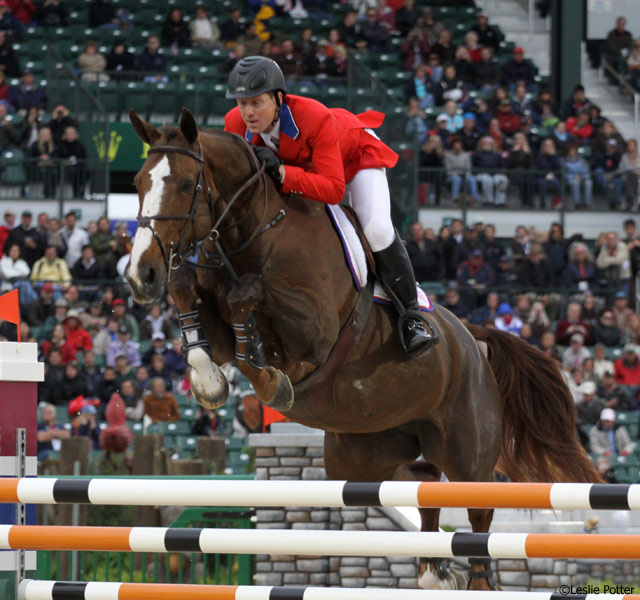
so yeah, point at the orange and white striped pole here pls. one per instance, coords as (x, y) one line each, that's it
(64, 590)
(172, 492)
(320, 543)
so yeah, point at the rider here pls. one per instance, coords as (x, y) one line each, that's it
(317, 152)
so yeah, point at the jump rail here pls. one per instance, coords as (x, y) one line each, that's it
(320, 543)
(64, 590)
(145, 492)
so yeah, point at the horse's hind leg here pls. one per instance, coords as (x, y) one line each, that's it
(382, 456)
(481, 577)
(433, 573)
(468, 451)
(461, 465)
(368, 456)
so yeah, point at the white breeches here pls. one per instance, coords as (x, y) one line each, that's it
(369, 197)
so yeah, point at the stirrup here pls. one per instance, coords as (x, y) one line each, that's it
(417, 315)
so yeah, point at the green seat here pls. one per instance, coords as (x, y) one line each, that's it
(187, 443)
(628, 418)
(631, 421)
(143, 346)
(195, 98)
(170, 442)
(55, 36)
(387, 60)
(235, 444)
(155, 428)
(36, 67)
(62, 416)
(167, 99)
(15, 119)
(334, 97)
(613, 353)
(109, 95)
(179, 428)
(434, 289)
(30, 48)
(14, 173)
(35, 33)
(187, 413)
(197, 72)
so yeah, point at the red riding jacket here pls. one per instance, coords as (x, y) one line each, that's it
(321, 148)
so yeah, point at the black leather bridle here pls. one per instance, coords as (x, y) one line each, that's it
(220, 258)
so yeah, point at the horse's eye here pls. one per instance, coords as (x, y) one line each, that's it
(185, 187)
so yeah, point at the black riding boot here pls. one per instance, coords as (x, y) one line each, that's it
(396, 274)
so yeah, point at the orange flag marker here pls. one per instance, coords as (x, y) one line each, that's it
(10, 309)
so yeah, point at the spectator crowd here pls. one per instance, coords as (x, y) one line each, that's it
(484, 124)
(565, 296)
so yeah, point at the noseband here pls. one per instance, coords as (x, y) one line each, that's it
(220, 258)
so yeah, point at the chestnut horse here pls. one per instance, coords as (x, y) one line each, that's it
(262, 279)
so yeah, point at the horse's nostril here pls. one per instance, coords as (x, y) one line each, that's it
(151, 276)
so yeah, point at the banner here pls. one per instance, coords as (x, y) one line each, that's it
(120, 145)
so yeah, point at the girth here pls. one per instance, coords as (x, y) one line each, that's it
(316, 389)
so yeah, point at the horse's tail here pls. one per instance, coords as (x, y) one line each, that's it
(539, 437)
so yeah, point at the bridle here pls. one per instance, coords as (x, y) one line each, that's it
(220, 258)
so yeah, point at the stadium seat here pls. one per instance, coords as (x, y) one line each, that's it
(167, 99)
(179, 428)
(188, 444)
(108, 93)
(14, 173)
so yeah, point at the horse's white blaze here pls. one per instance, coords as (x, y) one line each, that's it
(150, 206)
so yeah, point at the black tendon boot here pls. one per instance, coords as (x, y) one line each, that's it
(396, 274)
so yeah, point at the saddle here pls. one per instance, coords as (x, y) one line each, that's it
(359, 256)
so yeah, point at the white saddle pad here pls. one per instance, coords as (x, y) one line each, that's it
(357, 261)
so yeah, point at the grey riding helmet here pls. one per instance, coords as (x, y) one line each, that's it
(255, 75)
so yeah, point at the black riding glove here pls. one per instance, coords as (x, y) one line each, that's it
(271, 162)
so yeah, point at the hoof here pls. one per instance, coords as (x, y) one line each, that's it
(282, 399)
(431, 577)
(208, 383)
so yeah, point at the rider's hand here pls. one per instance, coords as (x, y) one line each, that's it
(271, 162)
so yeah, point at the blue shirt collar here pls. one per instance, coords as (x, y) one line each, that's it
(287, 125)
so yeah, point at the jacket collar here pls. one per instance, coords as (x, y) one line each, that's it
(287, 125)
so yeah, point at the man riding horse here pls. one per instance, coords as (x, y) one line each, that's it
(317, 152)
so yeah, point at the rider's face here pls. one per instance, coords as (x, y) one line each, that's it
(258, 112)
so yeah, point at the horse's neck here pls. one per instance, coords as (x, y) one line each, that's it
(255, 210)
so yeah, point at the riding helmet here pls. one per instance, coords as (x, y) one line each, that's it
(255, 75)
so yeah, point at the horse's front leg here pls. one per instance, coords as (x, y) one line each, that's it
(271, 385)
(208, 383)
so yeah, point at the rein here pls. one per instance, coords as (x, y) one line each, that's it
(220, 257)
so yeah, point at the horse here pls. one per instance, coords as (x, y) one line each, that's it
(261, 278)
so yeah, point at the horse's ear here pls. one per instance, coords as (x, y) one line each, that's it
(146, 132)
(188, 126)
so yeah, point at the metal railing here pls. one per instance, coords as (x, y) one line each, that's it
(624, 84)
(527, 189)
(52, 178)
